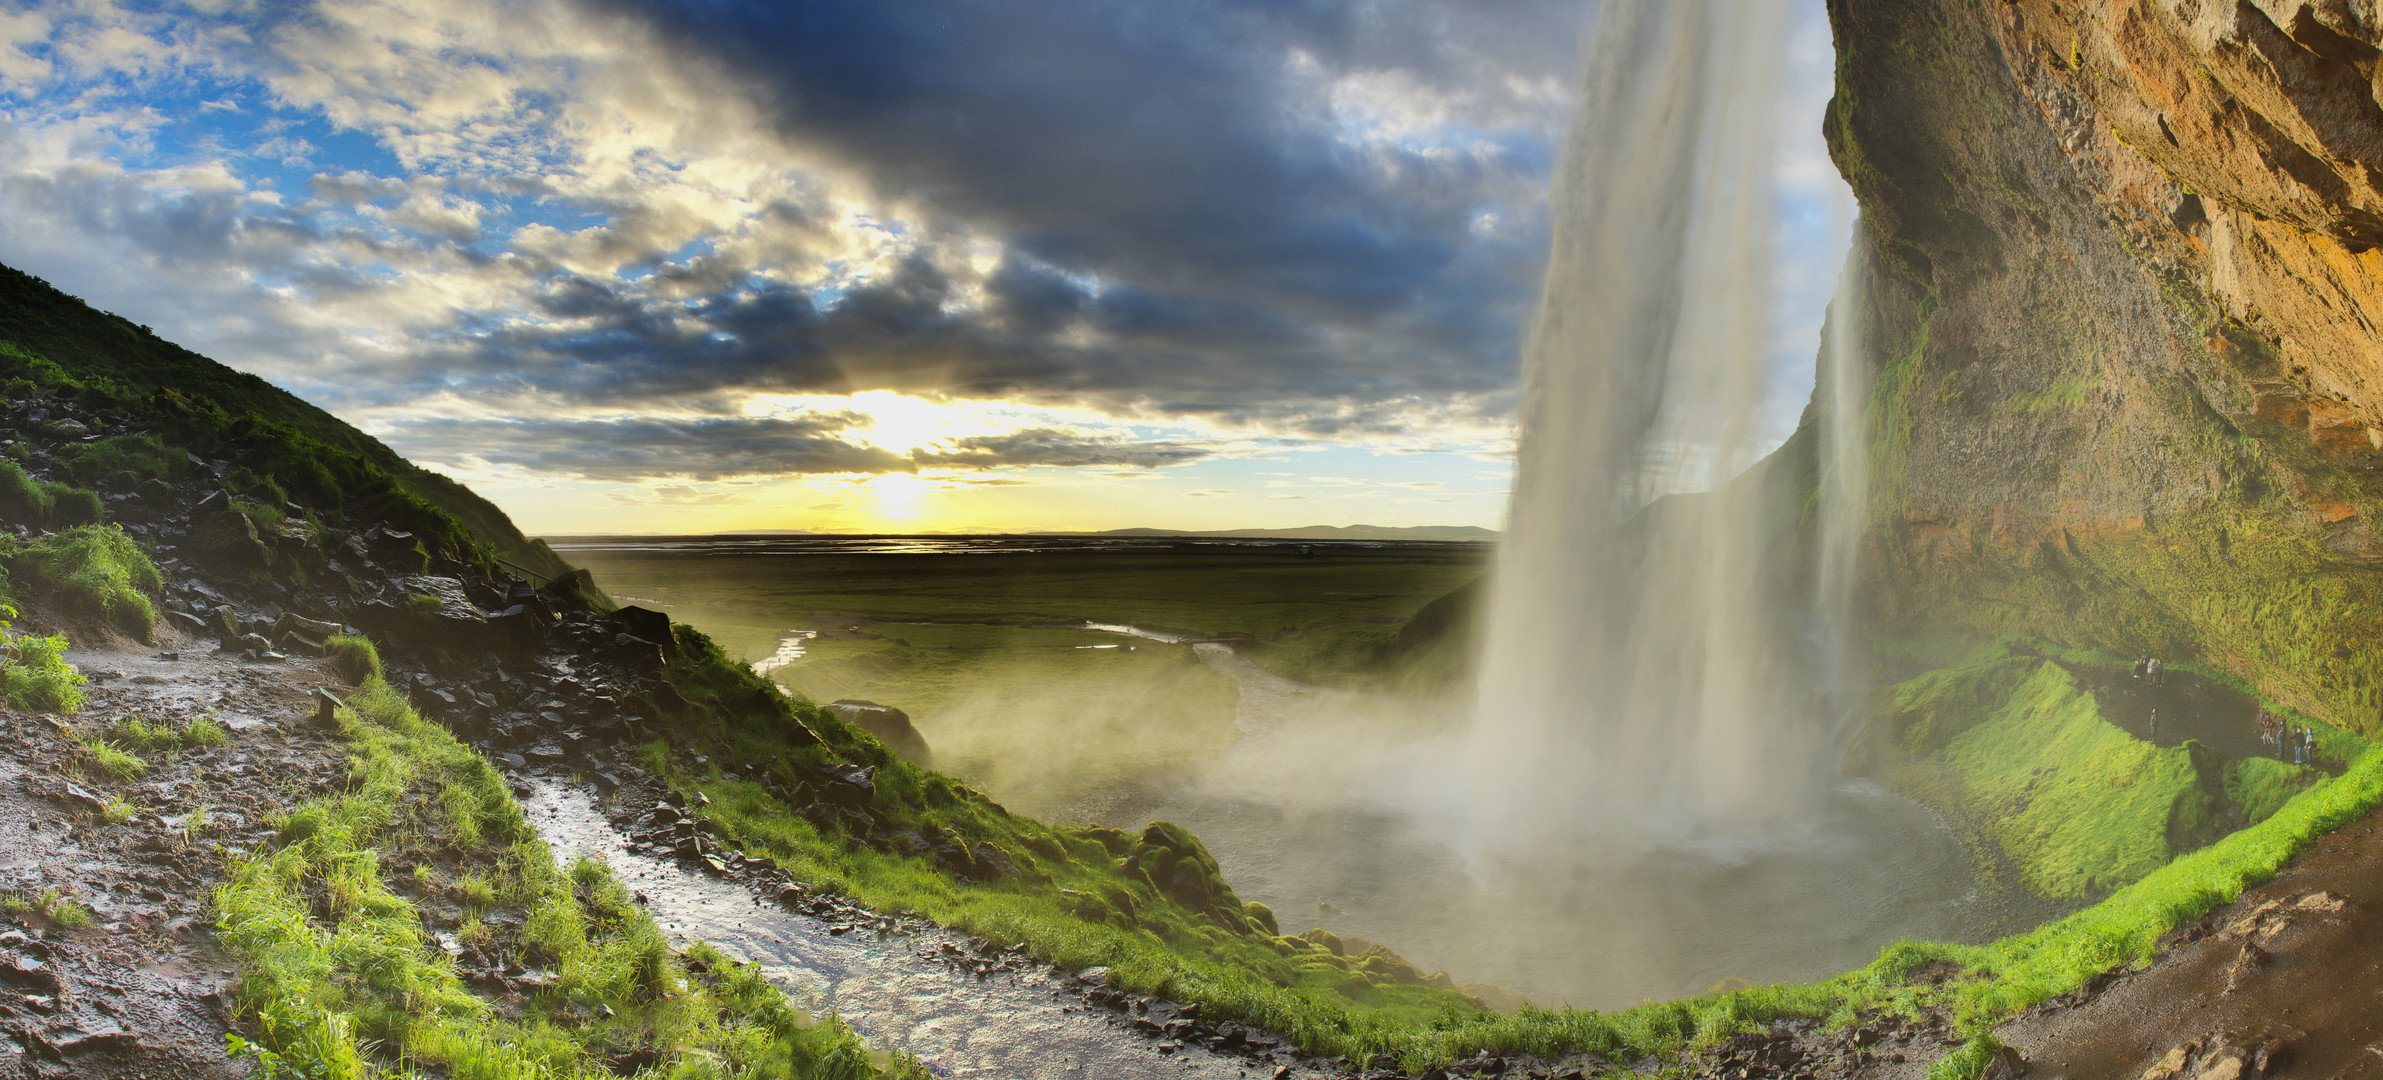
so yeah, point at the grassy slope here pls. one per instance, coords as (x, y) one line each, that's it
(2021, 758)
(116, 358)
(341, 976)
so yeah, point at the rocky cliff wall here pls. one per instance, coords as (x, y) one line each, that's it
(2127, 392)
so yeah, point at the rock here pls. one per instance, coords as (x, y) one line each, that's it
(848, 785)
(993, 860)
(325, 703)
(887, 725)
(313, 628)
(2005, 1065)
(2169, 1064)
(2227, 1064)
(228, 539)
(647, 625)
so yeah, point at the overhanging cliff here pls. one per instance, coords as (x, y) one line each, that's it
(2126, 396)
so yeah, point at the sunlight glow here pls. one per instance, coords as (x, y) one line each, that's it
(902, 424)
(898, 495)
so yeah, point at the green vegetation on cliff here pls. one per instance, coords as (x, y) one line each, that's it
(2023, 759)
(53, 346)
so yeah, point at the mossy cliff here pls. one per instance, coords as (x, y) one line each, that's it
(2093, 419)
(2035, 768)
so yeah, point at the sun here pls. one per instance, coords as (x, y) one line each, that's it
(900, 423)
(898, 496)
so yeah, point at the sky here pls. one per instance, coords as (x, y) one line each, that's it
(938, 265)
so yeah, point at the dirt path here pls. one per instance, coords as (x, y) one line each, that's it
(108, 969)
(2283, 983)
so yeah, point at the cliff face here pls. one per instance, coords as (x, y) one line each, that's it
(2128, 394)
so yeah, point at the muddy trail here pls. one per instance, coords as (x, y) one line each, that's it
(108, 966)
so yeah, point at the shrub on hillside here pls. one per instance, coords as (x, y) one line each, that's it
(95, 571)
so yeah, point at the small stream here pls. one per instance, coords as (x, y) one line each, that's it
(886, 987)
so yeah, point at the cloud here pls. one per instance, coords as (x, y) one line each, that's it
(576, 237)
(1045, 446)
(1208, 493)
(636, 449)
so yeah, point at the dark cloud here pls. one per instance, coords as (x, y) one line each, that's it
(1170, 183)
(716, 448)
(1042, 446)
(643, 448)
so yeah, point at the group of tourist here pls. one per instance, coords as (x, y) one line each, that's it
(2302, 743)
(2299, 747)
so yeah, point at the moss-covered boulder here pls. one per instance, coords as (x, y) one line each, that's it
(229, 539)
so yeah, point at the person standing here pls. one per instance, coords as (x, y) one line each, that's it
(2151, 667)
(2155, 724)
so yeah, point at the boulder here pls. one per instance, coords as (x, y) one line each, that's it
(647, 625)
(228, 540)
(848, 785)
(887, 725)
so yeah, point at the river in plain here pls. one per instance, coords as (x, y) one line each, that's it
(888, 987)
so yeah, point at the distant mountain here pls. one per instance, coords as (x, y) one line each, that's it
(1326, 532)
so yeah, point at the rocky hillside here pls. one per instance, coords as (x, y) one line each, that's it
(2126, 393)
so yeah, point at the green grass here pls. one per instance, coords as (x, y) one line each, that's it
(34, 673)
(54, 346)
(2263, 785)
(93, 571)
(2020, 758)
(2080, 806)
(353, 657)
(102, 759)
(340, 979)
(123, 460)
(45, 503)
(51, 906)
(143, 737)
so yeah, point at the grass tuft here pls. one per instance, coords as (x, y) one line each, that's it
(34, 674)
(353, 657)
(95, 571)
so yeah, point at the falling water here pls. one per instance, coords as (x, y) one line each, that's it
(1843, 392)
(1639, 678)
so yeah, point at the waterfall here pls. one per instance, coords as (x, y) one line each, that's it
(1842, 392)
(1640, 675)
